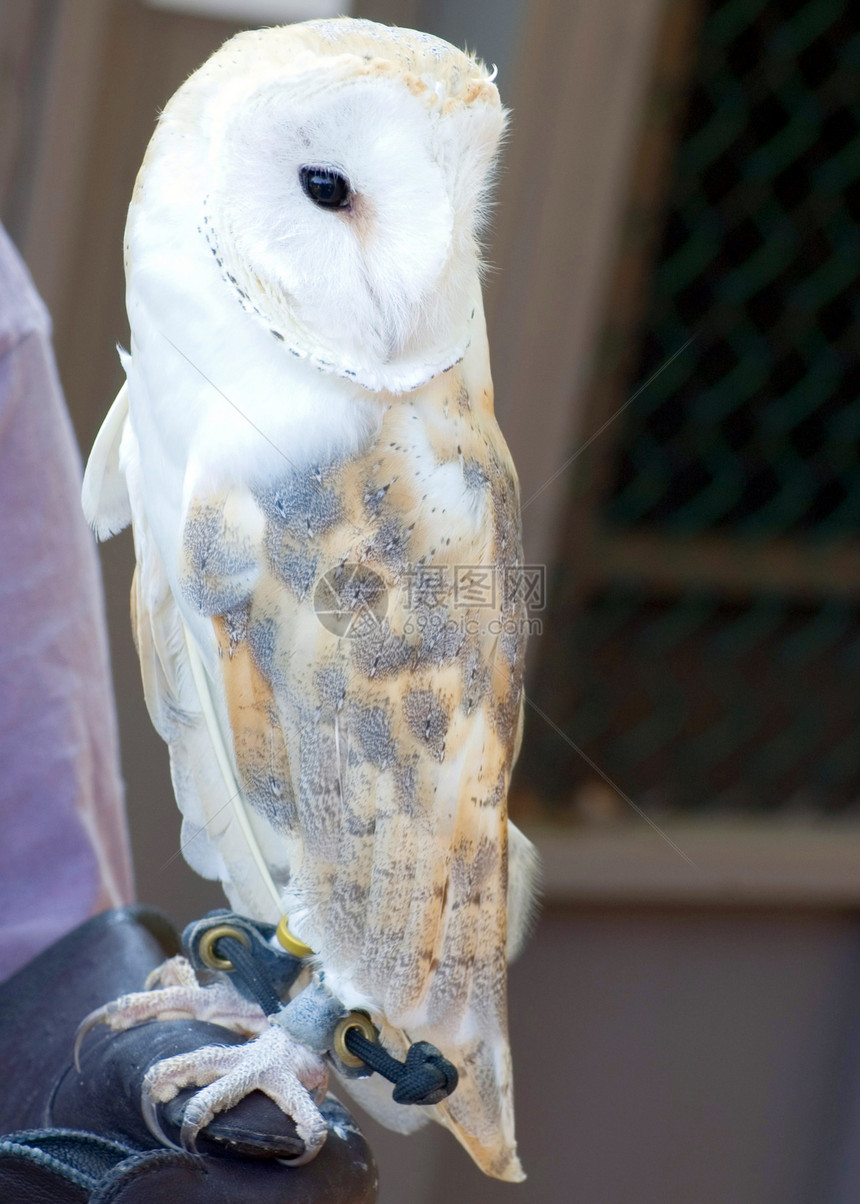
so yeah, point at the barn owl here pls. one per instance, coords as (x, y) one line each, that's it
(306, 435)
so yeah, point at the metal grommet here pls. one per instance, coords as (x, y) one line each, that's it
(291, 943)
(365, 1027)
(206, 948)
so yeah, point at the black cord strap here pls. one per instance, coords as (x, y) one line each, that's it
(232, 944)
(426, 1077)
(240, 947)
(253, 976)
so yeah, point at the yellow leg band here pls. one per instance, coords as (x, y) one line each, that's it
(291, 943)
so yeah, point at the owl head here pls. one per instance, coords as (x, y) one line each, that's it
(336, 174)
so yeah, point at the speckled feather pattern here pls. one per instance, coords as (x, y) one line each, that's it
(387, 754)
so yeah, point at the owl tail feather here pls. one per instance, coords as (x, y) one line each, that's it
(104, 495)
(479, 1113)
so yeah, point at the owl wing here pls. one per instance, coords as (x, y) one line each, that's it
(215, 839)
(367, 770)
(377, 759)
(162, 644)
(389, 803)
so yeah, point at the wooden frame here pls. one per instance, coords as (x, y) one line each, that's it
(639, 226)
(740, 863)
(734, 566)
(583, 73)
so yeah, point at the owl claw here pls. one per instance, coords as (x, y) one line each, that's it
(273, 1063)
(89, 1022)
(177, 997)
(149, 1112)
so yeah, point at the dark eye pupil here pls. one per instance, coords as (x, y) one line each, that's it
(324, 187)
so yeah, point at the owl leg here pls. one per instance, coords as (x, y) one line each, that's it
(275, 1063)
(173, 993)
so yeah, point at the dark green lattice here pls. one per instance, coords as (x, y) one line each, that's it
(689, 698)
(756, 427)
(697, 703)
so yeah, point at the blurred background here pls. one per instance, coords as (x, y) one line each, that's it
(673, 314)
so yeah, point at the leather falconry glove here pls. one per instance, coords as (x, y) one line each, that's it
(80, 1138)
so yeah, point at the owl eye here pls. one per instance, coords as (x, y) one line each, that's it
(325, 188)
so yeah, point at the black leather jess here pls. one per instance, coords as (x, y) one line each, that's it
(68, 1139)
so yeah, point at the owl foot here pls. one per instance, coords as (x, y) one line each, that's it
(178, 996)
(274, 1063)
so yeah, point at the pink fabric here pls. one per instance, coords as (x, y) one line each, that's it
(63, 839)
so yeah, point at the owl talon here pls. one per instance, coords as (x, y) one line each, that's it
(152, 1120)
(179, 997)
(274, 1063)
(89, 1022)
